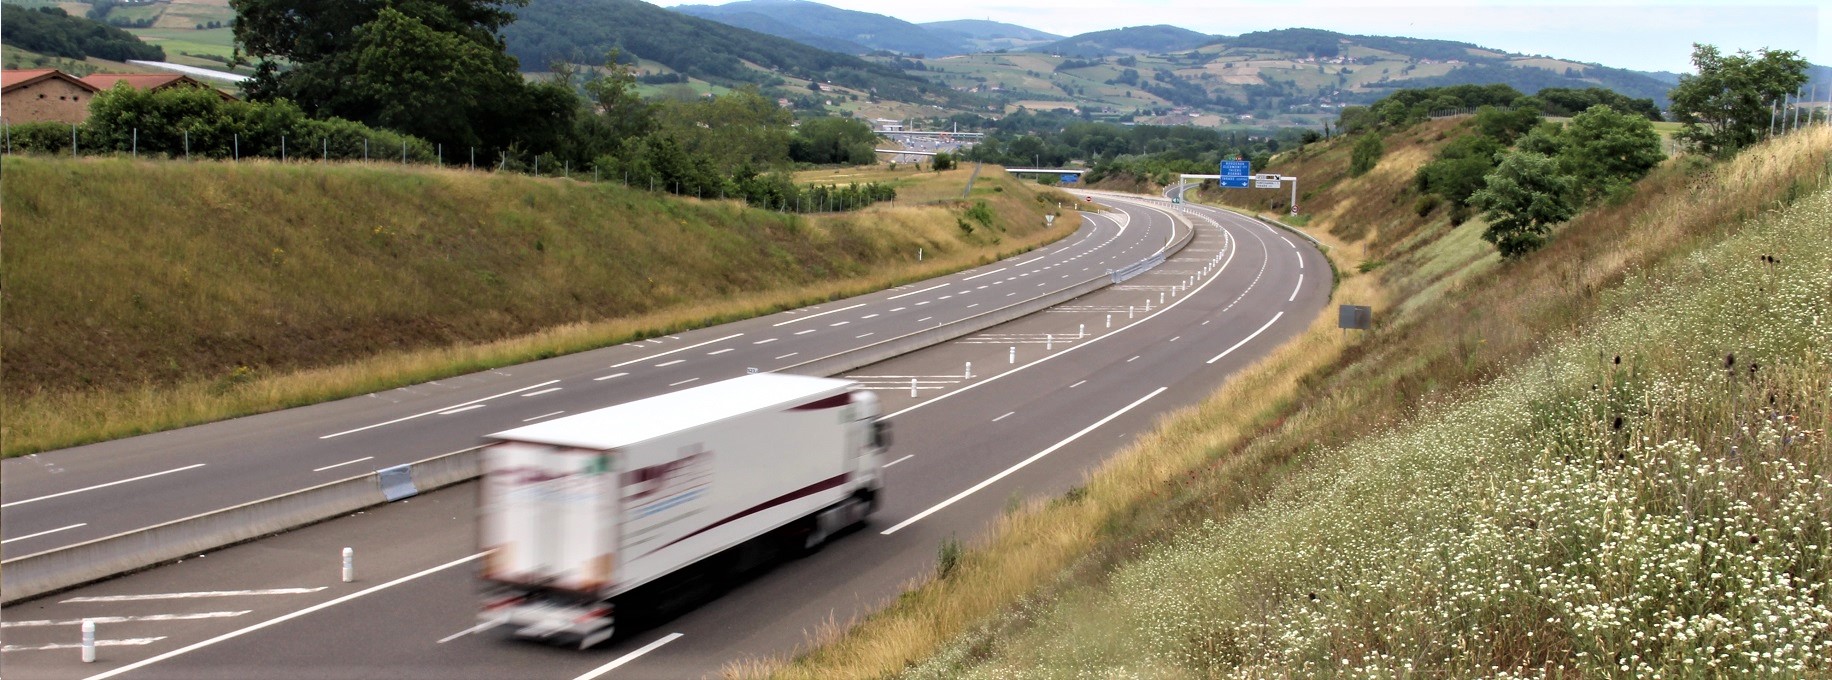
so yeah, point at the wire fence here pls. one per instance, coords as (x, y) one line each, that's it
(775, 193)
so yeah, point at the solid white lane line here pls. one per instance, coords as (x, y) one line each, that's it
(764, 341)
(1007, 415)
(975, 276)
(1077, 384)
(280, 619)
(899, 460)
(461, 409)
(347, 462)
(608, 377)
(1020, 264)
(1176, 338)
(544, 415)
(1245, 340)
(632, 656)
(42, 533)
(867, 335)
(913, 292)
(785, 356)
(811, 330)
(75, 645)
(810, 316)
(1021, 464)
(1288, 242)
(1295, 289)
(971, 306)
(659, 355)
(719, 351)
(124, 619)
(666, 364)
(1300, 259)
(189, 596)
(441, 409)
(541, 392)
(1134, 358)
(683, 382)
(100, 486)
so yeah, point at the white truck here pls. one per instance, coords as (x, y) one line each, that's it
(577, 514)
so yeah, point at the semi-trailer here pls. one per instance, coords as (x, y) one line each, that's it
(579, 514)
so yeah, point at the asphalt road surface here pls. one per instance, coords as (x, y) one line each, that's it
(1049, 396)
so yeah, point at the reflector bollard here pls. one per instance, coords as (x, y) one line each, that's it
(88, 641)
(912, 387)
(349, 565)
(1014, 355)
(969, 374)
(1049, 342)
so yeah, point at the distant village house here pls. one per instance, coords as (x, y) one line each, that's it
(40, 95)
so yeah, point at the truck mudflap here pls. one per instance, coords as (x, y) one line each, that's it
(552, 621)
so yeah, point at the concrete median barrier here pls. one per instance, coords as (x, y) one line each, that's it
(29, 576)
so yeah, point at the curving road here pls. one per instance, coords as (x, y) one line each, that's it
(57, 498)
(1050, 395)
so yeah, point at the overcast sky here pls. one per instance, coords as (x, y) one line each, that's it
(1648, 36)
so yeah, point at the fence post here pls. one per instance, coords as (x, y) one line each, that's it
(73, 140)
(365, 149)
(403, 152)
(136, 151)
(441, 154)
(326, 148)
(473, 164)
(282, 148)
(237, 137)
(187, 145)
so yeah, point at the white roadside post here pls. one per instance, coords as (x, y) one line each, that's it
(969, 374)
(1014, 355)
(1049, 342)
(88, 641)
(912, 387)
(1081, 331)
(1109, 320)
(349, 565)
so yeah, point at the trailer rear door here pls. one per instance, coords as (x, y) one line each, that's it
(549, 516)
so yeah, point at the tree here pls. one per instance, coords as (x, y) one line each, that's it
(432, 68)
(833, 140)
(942, 161)
(1523, 198)
(1727, 105)
(1604, 149)
(1365, 155)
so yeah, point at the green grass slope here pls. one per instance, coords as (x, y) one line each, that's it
(1634, 483)
(132, 284)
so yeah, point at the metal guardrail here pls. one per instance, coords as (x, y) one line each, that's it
(30, 576)
(1135, 269)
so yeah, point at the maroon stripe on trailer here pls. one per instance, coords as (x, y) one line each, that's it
(834, 401)
(803, 492)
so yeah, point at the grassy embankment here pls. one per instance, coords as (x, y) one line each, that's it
(146, 295)
(1477, 488)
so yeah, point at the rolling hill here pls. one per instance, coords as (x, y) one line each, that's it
(1130, 40)
(988, 36)
(582, 31)
(831, 28)
(1292, 76)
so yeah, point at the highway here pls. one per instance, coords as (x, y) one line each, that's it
(58, 498)
(1049, 395)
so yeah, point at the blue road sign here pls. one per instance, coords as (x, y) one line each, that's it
(1070, 178)
(1232, 182)
(1236, 169)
